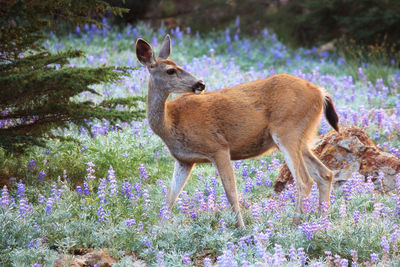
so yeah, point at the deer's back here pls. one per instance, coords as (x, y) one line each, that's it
(242, 117)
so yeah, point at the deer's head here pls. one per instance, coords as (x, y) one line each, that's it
(165, 73)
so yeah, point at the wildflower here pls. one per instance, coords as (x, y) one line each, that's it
(255, 212)
(245, 171)
(20, 190)
(86, 190)
(356, 216)
(32, 165)
(307, 230)
(186, 259)
(140, 227)
(130, 222)
(374, 258)
(302, 256)
(292, 253)
(41, 176)
(49, 205)
(207, 262)
(223, 224)
(5, 199)
(41, 199)
(354, 257)
(307, 204)
(90, 170)
(385, 246)
(23, 207)
(160, 259)
(113, 182)
(101, 214)
(138, 188)
(248, 185)
(126, 189)
(143, 172)
(342, 210)
(79, 190)
(259, 177)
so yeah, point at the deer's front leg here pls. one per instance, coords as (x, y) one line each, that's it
(222, 162)
(182, 172)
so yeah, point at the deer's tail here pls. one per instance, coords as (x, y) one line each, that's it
(330, 113)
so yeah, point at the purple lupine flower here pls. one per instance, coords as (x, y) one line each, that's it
(86, 190)
(245, 171)
(356, 216)
(140, 227)
(237, 164)
(302, 256)
(90, 170)
(23, 207)
(101, 190)
(307, 230)
(49, 205)
(186, 259)
(343, 263)
(223, 224)
(32, 165)
(129, 223)
(113, 182)
(374, 258)
(259, 177)
(36, 265)
(325, 223)
(260, 249)
(248, 185)
(267, 182)
(343, 210)
(143, 172)
(306, 204)
(211, 202)
(79, 190)
(354, 257)
(20, 190)
(101, 214)
(160, 259)
(207, 262)
(126, 189)
(385, 245)
(41, 199)
(164, 213)
(5, 199)
(41, 176)
(255, 212)
(292, 253)
(138, 189)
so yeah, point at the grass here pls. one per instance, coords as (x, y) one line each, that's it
(121, 209)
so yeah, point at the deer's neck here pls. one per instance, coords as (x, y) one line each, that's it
(156, 109)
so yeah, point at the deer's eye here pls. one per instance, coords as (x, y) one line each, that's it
(171, 71)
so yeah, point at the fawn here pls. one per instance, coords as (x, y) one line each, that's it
(235, 123)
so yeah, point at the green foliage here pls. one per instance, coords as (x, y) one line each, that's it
(313, 22)
(40, 90)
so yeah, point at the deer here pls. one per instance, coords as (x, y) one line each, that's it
(235, 123)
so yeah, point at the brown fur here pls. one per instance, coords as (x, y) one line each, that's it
(235, 123)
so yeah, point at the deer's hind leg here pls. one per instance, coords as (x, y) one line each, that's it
(292, 153)
(322, 175)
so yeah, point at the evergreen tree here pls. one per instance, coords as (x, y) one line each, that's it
(38, 89)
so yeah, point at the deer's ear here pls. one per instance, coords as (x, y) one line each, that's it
(144, 52)
(165, 48)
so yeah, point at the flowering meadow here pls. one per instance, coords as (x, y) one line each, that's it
(108, 192)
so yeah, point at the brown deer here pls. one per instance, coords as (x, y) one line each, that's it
(235, 123)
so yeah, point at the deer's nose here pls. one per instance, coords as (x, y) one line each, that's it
(200, 85)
